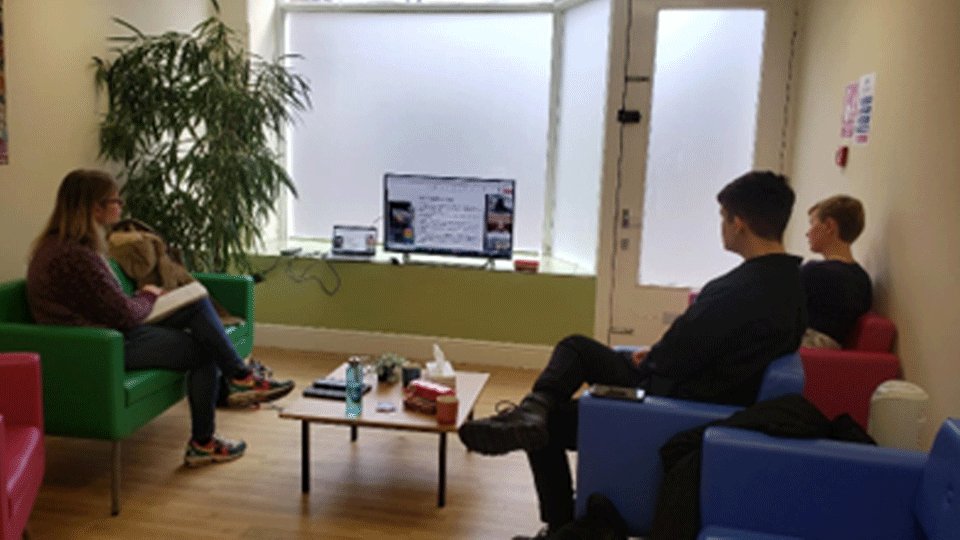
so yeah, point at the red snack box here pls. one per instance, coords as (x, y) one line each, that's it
(427, 390)
(419, 404)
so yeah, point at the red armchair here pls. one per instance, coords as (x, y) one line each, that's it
(842, 381)
(21, 440)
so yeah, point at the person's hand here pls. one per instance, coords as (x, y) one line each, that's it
(636, 358)
(152, 289)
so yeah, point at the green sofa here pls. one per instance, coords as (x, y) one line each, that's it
(87, 392)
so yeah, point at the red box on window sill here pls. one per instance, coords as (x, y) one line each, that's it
(526, 265)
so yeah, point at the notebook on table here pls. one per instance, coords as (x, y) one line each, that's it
(330, 389)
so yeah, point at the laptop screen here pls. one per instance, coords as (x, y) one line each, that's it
(354, 241)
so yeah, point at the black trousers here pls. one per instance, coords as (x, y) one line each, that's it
(575, 360)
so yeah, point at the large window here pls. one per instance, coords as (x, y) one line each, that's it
(493, 89)
(449, 94)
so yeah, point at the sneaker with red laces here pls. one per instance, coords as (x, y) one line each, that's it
(217, 450)
(253, 389)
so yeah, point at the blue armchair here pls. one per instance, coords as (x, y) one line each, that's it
(762, 487)
(619, 441)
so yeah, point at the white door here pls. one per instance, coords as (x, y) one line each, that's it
(700, 98)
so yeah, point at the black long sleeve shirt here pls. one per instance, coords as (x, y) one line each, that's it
(838, 293)
(718, 349)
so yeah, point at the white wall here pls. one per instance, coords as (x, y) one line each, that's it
(52, 107)
(908, 177)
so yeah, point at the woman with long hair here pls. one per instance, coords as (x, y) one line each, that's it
(69, 282)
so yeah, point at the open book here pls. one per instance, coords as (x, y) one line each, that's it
(175, 299)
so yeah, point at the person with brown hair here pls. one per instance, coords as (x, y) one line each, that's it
(838, 288)
(69, 282)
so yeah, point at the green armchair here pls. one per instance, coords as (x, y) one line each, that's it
(87, 392)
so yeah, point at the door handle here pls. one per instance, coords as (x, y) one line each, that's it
(621, 330)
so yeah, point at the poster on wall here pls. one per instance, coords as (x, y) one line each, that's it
(3, 97)
(861, 132)
(850, 108)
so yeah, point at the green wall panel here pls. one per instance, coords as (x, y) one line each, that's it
(426, 300)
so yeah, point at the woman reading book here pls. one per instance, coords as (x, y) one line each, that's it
(69, 282)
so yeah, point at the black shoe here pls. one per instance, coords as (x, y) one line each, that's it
(601, 522)
(542, 534)
(514, 427)
(603, 515)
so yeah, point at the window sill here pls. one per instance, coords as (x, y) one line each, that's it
(319, 249)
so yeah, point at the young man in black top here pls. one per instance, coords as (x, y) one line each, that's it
(716, 351)
(838, 289)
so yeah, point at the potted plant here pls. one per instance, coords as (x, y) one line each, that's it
(193, 119)
(386, 366)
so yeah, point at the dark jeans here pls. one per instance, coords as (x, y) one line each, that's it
(191, 340)
(575, 360)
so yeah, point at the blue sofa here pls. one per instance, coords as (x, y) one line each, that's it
(762, 487)
(619, 441)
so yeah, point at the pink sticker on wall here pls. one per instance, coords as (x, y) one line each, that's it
(850, 107)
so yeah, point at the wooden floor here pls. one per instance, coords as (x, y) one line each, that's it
(382, 486)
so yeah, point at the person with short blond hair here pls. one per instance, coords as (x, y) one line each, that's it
(838, 289)
(845, 211)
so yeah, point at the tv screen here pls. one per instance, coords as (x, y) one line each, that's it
(448, 215)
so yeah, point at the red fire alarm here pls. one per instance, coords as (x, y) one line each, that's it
(840, 158)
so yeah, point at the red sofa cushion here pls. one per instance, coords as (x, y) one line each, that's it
(23, 468)
(843, 381)
(873, 332)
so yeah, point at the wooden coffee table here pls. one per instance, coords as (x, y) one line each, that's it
(329, 411)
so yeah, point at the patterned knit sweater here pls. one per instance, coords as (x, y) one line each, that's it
(71, 284)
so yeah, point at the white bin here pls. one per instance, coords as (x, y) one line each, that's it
(898, 412)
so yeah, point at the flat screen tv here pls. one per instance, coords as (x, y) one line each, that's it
(448, 215)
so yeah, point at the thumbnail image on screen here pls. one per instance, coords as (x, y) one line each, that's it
(401, 222)
(498, 235)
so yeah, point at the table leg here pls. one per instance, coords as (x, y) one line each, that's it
(305, 456)
(442, 482)
(353, 433)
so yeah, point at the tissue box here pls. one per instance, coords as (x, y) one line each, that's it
(442, 374)
(450, 381)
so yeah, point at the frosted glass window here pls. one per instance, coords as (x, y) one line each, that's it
(449, 94)
(580, 131)
(702, 132)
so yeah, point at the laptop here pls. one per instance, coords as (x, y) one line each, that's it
(351, 242)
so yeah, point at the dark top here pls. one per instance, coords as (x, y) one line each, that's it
(71, 284)
(838, 293)
(718, 349)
